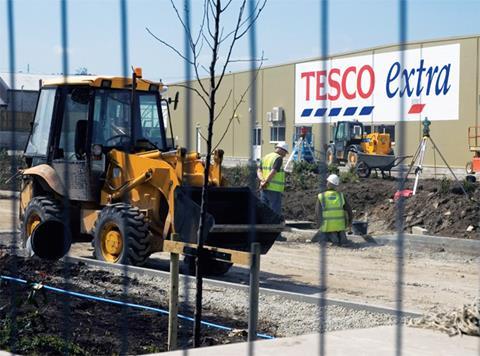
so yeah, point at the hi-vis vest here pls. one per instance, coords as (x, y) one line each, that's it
(277, 184)
(333, 215)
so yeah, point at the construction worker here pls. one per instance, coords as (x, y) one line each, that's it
(272, 177)
(333, 213)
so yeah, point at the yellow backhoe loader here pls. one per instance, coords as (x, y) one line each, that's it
(100, 164)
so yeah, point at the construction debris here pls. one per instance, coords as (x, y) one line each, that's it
(463, 321)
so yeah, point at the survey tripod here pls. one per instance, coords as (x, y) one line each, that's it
(302, 151)
(419, 156)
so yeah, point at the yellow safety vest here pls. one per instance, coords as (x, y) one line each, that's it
(277, 184)
(333, 214)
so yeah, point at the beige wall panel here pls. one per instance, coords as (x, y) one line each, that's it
(242, 102)
(278, 90)
(451, 136)
(199, 115)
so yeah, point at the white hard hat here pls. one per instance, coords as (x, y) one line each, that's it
(333, 179)
(282, 145)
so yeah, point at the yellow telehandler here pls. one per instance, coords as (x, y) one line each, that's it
(99, 164)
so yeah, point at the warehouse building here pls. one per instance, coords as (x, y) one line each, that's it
(436, 79)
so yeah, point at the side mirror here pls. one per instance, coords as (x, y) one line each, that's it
(80, 138)
(174, 101)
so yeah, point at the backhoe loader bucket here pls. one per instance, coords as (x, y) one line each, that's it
(229, 217)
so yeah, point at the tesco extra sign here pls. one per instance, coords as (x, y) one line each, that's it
(372, 87)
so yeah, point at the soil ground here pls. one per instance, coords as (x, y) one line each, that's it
(44, 318)
(439, 205)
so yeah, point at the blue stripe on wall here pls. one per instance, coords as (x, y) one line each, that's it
(334, 111)
(350, 111)
(366, 110)
(320, 112)
(307, 112)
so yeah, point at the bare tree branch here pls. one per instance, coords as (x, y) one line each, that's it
(210, 8)
(247, 20)
(200, 32)
(194, 90)
(237, 106)
(201, 135)
(208, 42)
(226, 6)
(193, 63)
(255, 17)
(230, 50)
(187, 30)
(192, 45)
(169, 46)
(205, 69)
(224, 105)
(249, 60)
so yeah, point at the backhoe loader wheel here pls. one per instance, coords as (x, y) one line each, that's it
(352, 159)
(39, 209)
(121, 235)
(330, 156)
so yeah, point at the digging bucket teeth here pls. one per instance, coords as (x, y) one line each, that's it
(229, 218)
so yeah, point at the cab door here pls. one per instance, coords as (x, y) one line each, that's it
(341, 137)
(71, 141)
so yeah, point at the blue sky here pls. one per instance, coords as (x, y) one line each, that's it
(288, 30)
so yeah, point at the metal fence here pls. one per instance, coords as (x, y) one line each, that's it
(128, 307)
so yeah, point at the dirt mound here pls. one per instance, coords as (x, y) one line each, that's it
(439, 205)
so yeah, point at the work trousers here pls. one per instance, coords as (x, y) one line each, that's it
(272, 199)
(335, 237)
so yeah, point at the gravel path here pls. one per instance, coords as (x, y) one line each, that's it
(278, 316)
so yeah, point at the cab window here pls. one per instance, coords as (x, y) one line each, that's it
(149, 119)
(356, 132)
(38, 141)
(75, 113)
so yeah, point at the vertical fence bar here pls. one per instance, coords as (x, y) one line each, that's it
(125, 71)
(402, 23)
(324, 8)
(187, 112)
(66, 174)
(14, 240)
(173, 300)
(253, 293)
(188, 77)
(252, 176)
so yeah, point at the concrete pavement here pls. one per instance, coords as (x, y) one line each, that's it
(377, 341)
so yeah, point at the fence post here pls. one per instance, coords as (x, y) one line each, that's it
(173, 300)
(253, 291)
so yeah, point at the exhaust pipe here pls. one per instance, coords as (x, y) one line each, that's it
(48, 240)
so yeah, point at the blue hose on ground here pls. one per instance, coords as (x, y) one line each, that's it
(132, 305)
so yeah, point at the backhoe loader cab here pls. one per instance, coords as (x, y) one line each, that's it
(349, 140)
(347, 137)
(99, 163)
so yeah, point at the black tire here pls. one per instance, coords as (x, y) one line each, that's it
(363, 170)
(330, 157)
(211, 267)
(39, 210)
(128, 224)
